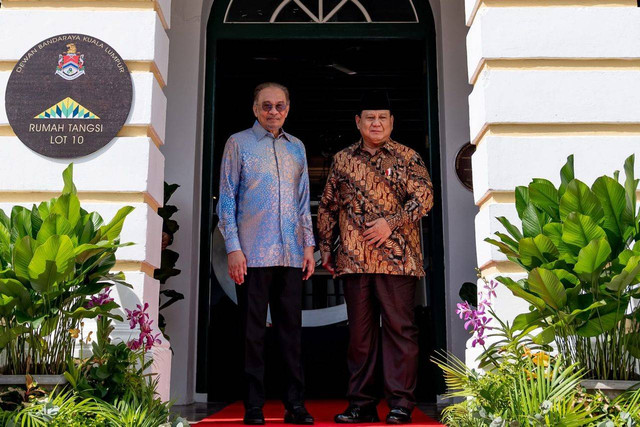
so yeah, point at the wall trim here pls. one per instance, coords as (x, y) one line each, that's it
(556, 129)
(128, 266)
(126, 131)
(569, 64)
(493, 197)
(494, 268)
(84, 196)
(547, 3)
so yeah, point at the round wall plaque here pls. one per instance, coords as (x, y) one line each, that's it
(463, 165)
(68, 96)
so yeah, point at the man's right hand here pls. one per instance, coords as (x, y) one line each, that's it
(237, 264)
(327, 263)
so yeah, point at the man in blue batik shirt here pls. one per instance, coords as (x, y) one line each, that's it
(265, 220)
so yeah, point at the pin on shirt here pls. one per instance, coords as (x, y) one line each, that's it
(387, 172)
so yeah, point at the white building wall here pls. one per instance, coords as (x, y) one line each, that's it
(551, 78)
(130, 169)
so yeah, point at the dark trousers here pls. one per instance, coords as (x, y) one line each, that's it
(369, 296)
(281, 287)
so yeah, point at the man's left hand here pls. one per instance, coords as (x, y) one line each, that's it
(308, 262)
(378, 232)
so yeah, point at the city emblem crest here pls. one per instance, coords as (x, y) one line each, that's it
(70, 64)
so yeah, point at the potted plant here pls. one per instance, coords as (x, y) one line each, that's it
(54, 258)
(579, 246)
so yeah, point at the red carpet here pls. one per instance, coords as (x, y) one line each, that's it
(322, 410)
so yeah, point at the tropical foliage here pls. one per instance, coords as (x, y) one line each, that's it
(169, 258)
(580, 248)
(53, 258)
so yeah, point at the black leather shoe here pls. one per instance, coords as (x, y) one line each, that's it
(399, 415)
(253, 416)
(358, 414)
(298, 415)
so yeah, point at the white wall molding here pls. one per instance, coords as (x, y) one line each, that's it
(553, 33)
(501, 163)
(554, 96)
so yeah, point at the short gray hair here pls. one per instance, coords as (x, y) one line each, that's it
(263, 86)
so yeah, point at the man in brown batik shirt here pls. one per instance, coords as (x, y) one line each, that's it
(375, 195)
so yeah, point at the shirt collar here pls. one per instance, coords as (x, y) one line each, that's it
(386, 146)
(261, 132)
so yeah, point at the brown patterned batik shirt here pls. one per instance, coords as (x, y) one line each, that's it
(393, 184)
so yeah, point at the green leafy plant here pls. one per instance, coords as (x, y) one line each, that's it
(579, 246)
(519, 388)
(53, 257)
(58, 410)
(168, 258)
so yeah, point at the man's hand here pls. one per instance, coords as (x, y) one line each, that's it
(237, 264)
(327, 262)
(378, 232)
(308, 262)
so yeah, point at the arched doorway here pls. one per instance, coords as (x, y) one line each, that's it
(327, 52)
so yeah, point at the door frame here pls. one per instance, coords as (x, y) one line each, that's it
(218, 30)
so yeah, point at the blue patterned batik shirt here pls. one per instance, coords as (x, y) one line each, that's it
(264, 198)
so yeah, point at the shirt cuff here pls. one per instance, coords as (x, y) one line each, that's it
(309, 241)
(232, 244)
(394, 221)
(325, 247)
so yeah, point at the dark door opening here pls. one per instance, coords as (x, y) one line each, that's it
(326, 79)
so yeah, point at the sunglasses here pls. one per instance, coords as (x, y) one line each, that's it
(280, 106)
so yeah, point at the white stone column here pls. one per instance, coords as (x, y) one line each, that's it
(551, 78)
(129, 170)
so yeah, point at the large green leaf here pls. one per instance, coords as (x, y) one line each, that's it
(68, 206)
(20, 223)
(566, 175)
(567, 279)
(532, 221)
(511, 229)
(568, 253)
(579, 230)
(44, 208)
(86, 251)
(5, 220)
(629, 276)
(522, 199)
(5, 245)
(111, 231)
(592, 259)
(54, 225)
(22, 255)
(524, 320)
(630, 187)
(9, 335)
(545, 337)
(544, 195)
(579, 198)
(537, 251)
(613, 201)
(518, 290)
(547, 285)
(36, 221)
(15, 289)
(67, 177)
(49, 325)
(504, 248)
(602, 320)
(52, 261)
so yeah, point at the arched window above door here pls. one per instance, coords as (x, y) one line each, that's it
(320, 11)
